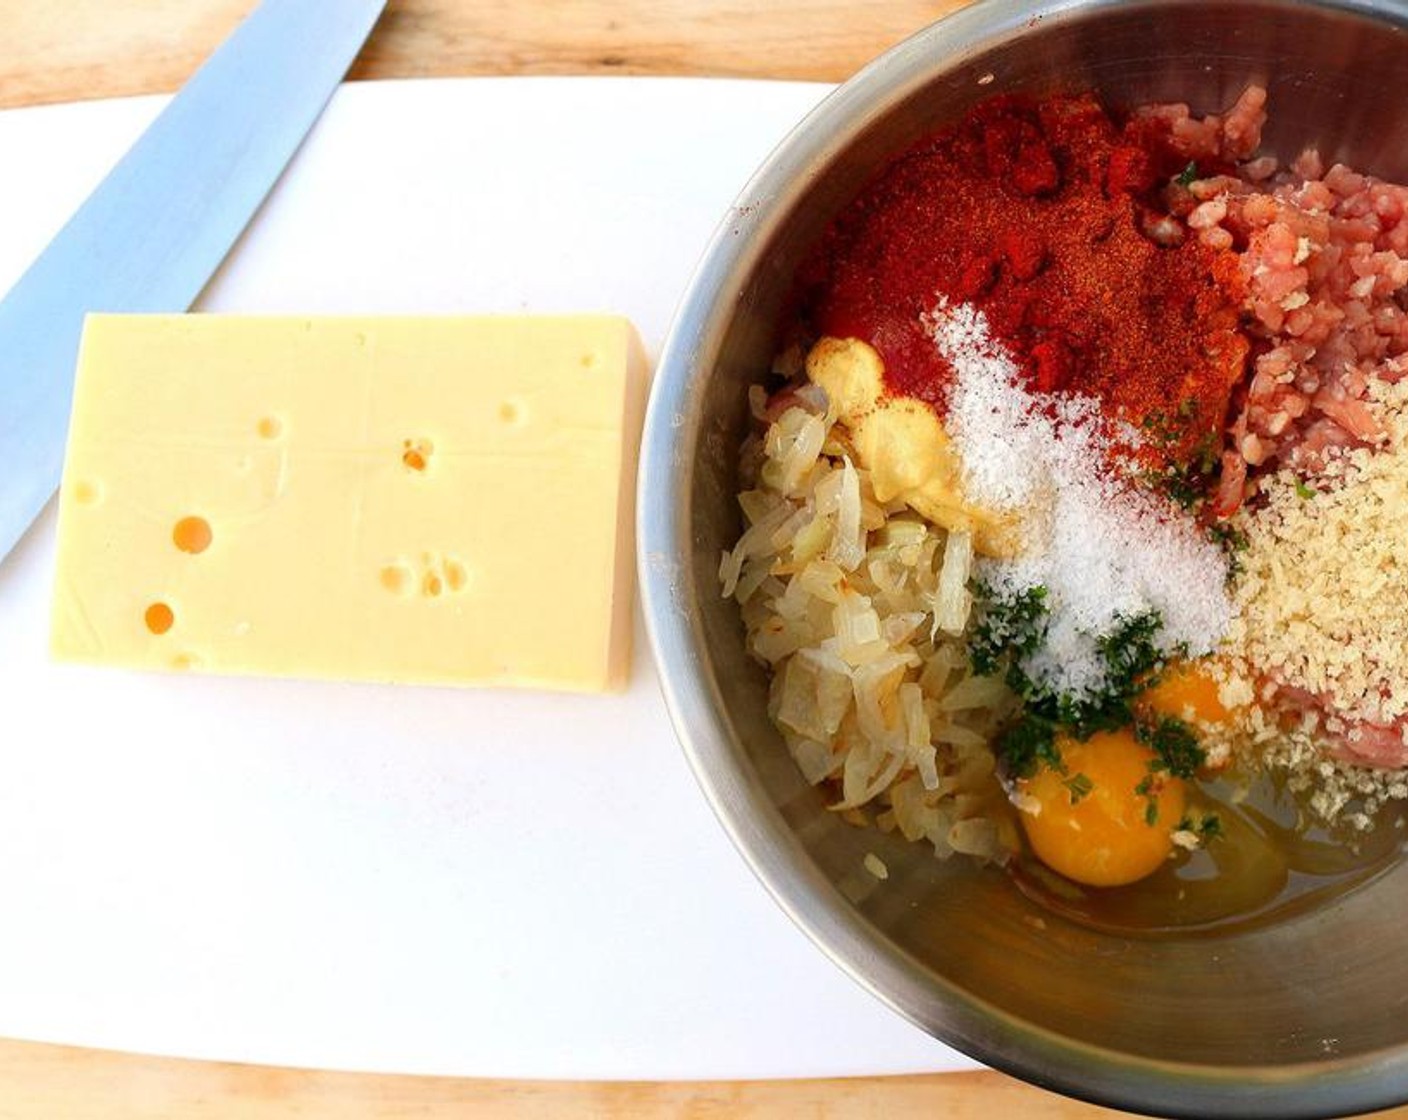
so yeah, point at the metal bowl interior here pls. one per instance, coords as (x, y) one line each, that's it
(1307, 1015)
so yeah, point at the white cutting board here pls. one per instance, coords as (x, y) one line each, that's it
(406, 879)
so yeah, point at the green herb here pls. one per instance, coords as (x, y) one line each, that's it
(1176, 752)
(1185, 483)
(1157, 423)
(1029, 744)
(1130, 655)
(1147, 790)
(1232, 541)
(1188, 174)
(1165, 428)
(1079, 785)
(1179, 487)
(1205, 826)
(1205, 457)
(1230, 538)
(1303, 491)
(1175, 746)
(1008, 631)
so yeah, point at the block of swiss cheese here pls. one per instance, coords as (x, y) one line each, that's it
(443, 500)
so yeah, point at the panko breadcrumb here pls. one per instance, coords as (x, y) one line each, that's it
(1319, 622)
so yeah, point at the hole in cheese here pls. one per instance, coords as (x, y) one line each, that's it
(159, 618)
(270, 427)
(456, 574)
(396, 578)
(510, 412)
(415, 453)
(432, 585)
(590, 360)
(192, 534)
(87, 493)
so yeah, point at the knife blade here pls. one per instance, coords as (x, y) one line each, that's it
(157, 227)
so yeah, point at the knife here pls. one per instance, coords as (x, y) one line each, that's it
(156, 229)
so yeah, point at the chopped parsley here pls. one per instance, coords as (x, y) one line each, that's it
(1303, 491)
(1232, 541)
(1230, 538)
(1079, 786)
(1188, 175)
(1176, 753)
(1179, 487)
(1175, 747)
(1187, 480)
(1130, 655)
(1029, 743)
(1205, 826)
(1186, 472)
(1148, 788)
(1157, 423)
(1008, 630)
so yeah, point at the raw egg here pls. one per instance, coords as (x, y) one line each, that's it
(1186, 691)
(1108, 819)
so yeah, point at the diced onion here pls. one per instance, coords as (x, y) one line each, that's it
(952, 600)
(848, 545)
(860, 610)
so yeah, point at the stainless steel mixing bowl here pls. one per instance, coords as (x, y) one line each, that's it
(1305, 1016)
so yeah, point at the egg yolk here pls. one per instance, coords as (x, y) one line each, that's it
(1186, 691)
(1092, 823)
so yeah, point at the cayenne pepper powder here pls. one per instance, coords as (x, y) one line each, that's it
(1047, 217)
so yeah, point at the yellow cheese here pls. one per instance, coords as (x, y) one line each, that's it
(432, 500)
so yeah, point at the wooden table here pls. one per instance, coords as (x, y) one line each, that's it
(81, 49)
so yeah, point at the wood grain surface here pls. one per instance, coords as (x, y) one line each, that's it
(76, 1084)
(79, 49)
(82, 49)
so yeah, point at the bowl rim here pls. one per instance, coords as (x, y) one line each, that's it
(701, 723)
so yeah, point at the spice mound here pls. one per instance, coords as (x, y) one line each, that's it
(1044, 216)
(1074, 502)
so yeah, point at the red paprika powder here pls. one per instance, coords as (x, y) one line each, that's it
(1048, 217)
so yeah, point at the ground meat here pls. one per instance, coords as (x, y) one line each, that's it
(1217, 137)
(1362, 742)
(1324, 253)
